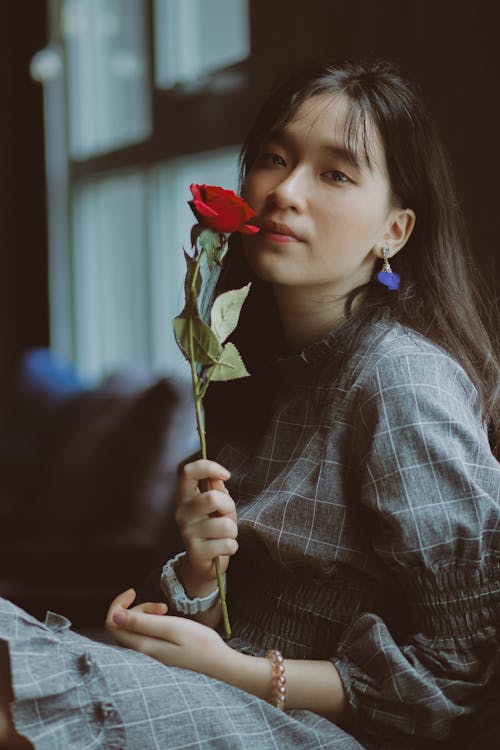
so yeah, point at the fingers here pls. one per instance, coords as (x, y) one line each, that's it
(205, 504)
(206, 518)
(218, 484)
(146, 624)
(208, 538)
(201, 548)
(194, 472)
(218, 527)
(151, 608)
(141, 643)
(122, 601)
(177, 641)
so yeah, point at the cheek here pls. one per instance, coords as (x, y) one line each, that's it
(364, 215)
(256, 188)
(248, 189)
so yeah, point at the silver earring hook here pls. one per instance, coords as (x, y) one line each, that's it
(387, 266)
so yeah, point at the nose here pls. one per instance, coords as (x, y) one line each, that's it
(290, 192)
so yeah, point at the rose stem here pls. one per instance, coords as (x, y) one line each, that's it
(203, 445)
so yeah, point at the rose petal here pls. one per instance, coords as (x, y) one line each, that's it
(195, 191)
(221, 210)
(203, 209)
(249, 229)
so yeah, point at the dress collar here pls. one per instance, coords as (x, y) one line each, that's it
(338, 341)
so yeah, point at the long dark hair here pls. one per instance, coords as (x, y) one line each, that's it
(439, 294)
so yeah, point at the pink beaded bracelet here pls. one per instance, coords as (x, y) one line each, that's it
(278, 692)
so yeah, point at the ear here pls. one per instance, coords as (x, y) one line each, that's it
(398, 229)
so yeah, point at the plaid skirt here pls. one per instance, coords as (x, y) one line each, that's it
(73, 693)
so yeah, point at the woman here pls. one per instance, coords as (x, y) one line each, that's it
(365, 488)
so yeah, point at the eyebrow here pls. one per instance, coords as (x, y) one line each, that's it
(282, 138)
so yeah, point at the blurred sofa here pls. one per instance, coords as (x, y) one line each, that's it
(87, 481)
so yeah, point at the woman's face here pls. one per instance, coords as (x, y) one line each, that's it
(324, 213)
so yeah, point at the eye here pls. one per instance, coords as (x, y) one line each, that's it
(336, 176)
(271, 159)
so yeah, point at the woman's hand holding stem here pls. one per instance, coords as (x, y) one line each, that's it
(207, 525)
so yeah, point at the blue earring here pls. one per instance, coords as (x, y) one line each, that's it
(386, 276)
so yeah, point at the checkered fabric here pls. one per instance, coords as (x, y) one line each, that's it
(72, 693)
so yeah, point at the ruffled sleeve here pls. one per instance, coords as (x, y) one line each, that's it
(432, 489)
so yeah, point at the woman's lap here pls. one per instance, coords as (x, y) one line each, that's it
(71, 692)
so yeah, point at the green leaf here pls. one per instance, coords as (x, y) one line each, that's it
(226, 311)
(179, 331)
(206, 348)
(191, 300)
(229, 367)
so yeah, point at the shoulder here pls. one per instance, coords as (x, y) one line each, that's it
(397, 359)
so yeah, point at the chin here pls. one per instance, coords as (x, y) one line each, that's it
(267, 264)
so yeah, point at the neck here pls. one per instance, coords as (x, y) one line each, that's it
(306, 318)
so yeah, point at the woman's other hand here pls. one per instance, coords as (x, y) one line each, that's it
(124, 601)
(179, 642)
(175, 641)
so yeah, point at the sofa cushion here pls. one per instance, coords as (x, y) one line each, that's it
(112, 476)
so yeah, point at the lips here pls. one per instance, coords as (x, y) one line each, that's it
(276, 229)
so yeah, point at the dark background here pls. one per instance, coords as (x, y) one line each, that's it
(23, 226)
(450, 46)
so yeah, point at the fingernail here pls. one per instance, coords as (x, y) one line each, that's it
(225, 473)
(119, 617)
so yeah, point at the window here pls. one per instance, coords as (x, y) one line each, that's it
(196, 37)
(109, 97)
(123, 82)
(110, 252)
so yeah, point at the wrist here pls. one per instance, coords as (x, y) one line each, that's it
(178, 599)
(312, 685)
(251, 674)
(194, 584)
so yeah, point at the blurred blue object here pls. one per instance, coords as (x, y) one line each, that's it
(45, 374)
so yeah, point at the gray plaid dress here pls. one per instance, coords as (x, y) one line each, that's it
(369, 518)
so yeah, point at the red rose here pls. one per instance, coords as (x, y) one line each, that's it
(221, 210)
